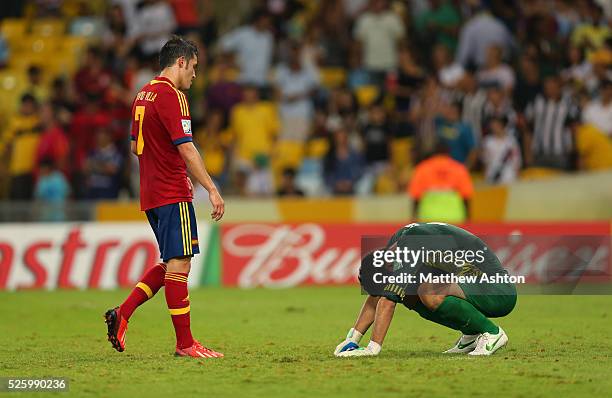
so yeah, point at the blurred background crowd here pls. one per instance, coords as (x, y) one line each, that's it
(307, 97)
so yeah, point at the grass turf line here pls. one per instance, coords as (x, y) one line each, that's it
(279, 343)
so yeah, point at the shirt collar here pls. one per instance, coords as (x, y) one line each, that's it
(164, 79)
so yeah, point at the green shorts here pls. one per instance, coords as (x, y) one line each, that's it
(493, 300)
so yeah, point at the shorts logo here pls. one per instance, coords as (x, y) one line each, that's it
(186, 126)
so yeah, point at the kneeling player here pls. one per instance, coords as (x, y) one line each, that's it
(466, 307)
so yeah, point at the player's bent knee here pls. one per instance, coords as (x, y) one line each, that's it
(431, 301)
(179, 264)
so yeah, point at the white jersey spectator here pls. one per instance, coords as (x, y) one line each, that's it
(501, 155)
(379, 31)
(154, 26)
(550, 116)
(295, 83)
(478, 34)
(253, 46)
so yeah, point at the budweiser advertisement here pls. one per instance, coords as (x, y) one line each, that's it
(285, 255)
(86, 255)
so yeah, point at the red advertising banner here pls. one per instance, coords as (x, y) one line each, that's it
(81, 255)
(285, 255)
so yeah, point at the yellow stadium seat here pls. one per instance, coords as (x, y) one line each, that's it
(48, 27)
(63, 65)
(37, 44)
(332, 77)
(74, 46)
(366, 95)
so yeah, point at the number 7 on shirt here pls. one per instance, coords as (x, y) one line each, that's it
(139, 113)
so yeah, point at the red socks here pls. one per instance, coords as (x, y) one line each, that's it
(177, 298)
(144, 290)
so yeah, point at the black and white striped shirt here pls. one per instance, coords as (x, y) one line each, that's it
(550, 121)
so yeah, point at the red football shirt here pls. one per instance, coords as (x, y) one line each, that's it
(160, 122)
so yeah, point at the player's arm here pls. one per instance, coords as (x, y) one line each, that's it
(383, 315)
(173, 111)
(362, 324)
(196, 168)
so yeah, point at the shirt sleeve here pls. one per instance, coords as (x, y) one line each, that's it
(173, 112)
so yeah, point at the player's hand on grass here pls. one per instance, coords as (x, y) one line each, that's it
(350, 342)
(218, 205)
(371, 350)
(345, 346)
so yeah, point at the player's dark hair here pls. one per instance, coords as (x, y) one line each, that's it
(175, 48)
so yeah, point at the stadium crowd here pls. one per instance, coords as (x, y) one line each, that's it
(310, 97)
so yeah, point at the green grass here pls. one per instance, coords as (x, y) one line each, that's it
(280, 343)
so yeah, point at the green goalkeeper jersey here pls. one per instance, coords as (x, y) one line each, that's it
(439, 249)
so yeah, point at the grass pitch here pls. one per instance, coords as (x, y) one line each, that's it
(280, 342)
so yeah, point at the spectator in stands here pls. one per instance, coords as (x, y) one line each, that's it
(601, 61)
(439, 25)
(495, 72)
(93, 78)
(259, 181)
(254, 124)
(473, 99)
(253, 46)
(376, 136)
(20, 141)
(456, 135)
(214, 142)
(155, 23)
(51, 192)
(287, 184)
(53, 144)
(593, 147)
(295, 85)
(578, 68)
(431, 100)
(528, 85)
(593, 30)
(409, 78)
(335, 39)
(35, 84)
(499, 104)
(548, 141)
(187, 15)
(343, 166)
(599, 111)
(379, 32)
(223, 91)
(448, 72)
(441, 188)
(62, 102)
(478, 34)
(501, 153)
(85, 122)
(102, 168)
